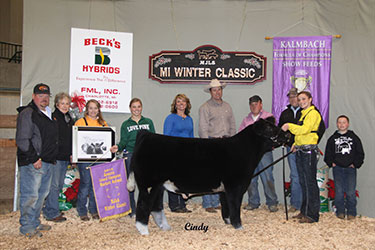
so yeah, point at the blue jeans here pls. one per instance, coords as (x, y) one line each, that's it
(345, 183)
(85, 189)
(34, 188)
(296, 192)
(267, 181)
(210, 200)
(131, 194)
(51, 206)
(306, 165)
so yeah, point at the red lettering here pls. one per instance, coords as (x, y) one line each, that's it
(109, 43)
(91, 90)
(100, 69)
(111, 91)
(103, 42)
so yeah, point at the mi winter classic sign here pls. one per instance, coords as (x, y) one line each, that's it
(205, 63)
(101, 67)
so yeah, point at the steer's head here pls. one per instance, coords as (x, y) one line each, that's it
(267, 129)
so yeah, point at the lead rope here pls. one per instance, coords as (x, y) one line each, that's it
(273, 163)
(88, 167)
(284, 189)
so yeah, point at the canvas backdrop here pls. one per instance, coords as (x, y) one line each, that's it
(230, 25)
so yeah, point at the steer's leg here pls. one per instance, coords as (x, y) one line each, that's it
(224, 208)
(157, 210)
(234, 199)
(131, 182)
(143, 211)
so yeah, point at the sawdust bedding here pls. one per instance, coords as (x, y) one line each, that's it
(261, 230)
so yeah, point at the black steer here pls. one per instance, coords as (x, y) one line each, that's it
(192, 166)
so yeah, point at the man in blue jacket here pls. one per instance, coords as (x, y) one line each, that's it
(37, 146)
(292, 114)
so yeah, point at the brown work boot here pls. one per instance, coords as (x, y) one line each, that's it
(298, 216)
(351, 217)
(341, 216)
(210, 210)
(59, 218)
(84, 217)
(306, 220)
(95, 216)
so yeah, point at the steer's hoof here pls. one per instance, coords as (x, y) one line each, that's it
(239, 228)
(142, 228)
(227, 220)
(161, 220)
(165, 227)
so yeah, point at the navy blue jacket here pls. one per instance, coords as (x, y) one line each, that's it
(287, 116)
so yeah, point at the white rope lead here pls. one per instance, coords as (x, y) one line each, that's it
(90, 14)
(88, 167)
(242, 25)
(174, 26)
(114, 14)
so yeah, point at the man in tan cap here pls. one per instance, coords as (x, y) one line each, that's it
(216, 120)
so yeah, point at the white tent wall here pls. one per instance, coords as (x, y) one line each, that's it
(230, 25)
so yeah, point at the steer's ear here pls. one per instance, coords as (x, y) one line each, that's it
(264, 127)
(259, 126)
(271, 119)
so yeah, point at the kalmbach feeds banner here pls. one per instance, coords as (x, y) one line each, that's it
(303, 63)
(101, 67)
(109, 184)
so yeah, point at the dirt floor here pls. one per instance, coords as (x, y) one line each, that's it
(261, 230)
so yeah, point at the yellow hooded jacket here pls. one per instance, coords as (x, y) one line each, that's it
(303, 133)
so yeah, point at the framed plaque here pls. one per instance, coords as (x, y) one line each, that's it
(92, 144)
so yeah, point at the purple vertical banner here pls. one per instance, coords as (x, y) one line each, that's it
(109, 184)
(303, 63)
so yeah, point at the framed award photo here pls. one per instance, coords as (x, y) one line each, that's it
(92, 144)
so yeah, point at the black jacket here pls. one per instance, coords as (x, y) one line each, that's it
(287, 116)
(36, 136)
(344, 150)
(64, 124)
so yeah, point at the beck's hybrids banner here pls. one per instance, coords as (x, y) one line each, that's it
(101, 67)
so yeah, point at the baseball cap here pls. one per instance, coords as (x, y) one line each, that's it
(41, 88)
(293, 92)
(255, 98)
